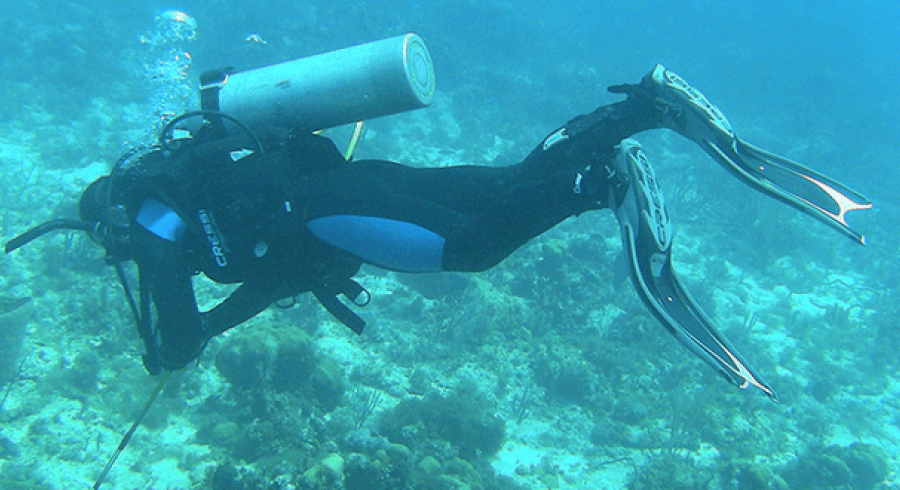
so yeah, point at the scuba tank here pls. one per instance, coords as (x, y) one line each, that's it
(326, 90)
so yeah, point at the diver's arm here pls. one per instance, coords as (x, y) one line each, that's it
(176, 324)
(247, 301)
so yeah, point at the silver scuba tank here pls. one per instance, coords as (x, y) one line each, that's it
(352, 84)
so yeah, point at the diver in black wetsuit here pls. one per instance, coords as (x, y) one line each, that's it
(299, 217)
(292, 215)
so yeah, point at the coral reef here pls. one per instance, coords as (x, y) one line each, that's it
(461, 418)
(859, 466)
(280, 358)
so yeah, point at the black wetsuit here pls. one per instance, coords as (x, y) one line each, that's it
(300, 218)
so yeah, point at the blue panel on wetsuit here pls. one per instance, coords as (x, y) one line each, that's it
(387, 243)
(160, 220)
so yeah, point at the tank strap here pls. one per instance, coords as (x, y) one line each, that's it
(211, 83)
(327, 295)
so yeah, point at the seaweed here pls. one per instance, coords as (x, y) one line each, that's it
(521, 404)
(363, 404)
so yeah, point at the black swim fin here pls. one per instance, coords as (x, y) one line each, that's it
(647, 240)
(688, 112)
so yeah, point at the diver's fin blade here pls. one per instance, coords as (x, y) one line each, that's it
(647, 241)
(698, 333)
(792, 183)
(820, 195)
(767, 156)
(660, 289)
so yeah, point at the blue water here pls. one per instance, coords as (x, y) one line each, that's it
(586, 388)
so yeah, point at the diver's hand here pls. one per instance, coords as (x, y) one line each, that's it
(178, 347)
(151, 363)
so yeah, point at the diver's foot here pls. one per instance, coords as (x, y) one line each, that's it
(681, 107)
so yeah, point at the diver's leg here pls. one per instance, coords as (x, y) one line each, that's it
(469, 189)
(475, 215)
(527, 210)
(364, 210)
(464, 189)
(590, 137)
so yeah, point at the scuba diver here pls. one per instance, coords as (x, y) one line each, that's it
(287, 213)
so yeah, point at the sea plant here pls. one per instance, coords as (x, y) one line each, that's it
(363, 403)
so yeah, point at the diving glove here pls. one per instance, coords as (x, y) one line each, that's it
(647, 242)
(688, 112)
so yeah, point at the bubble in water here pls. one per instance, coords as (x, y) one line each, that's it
(172, 26)
(167, 67)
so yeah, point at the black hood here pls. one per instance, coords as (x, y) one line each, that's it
(94, 204)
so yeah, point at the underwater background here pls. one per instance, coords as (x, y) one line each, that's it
(544, 372)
